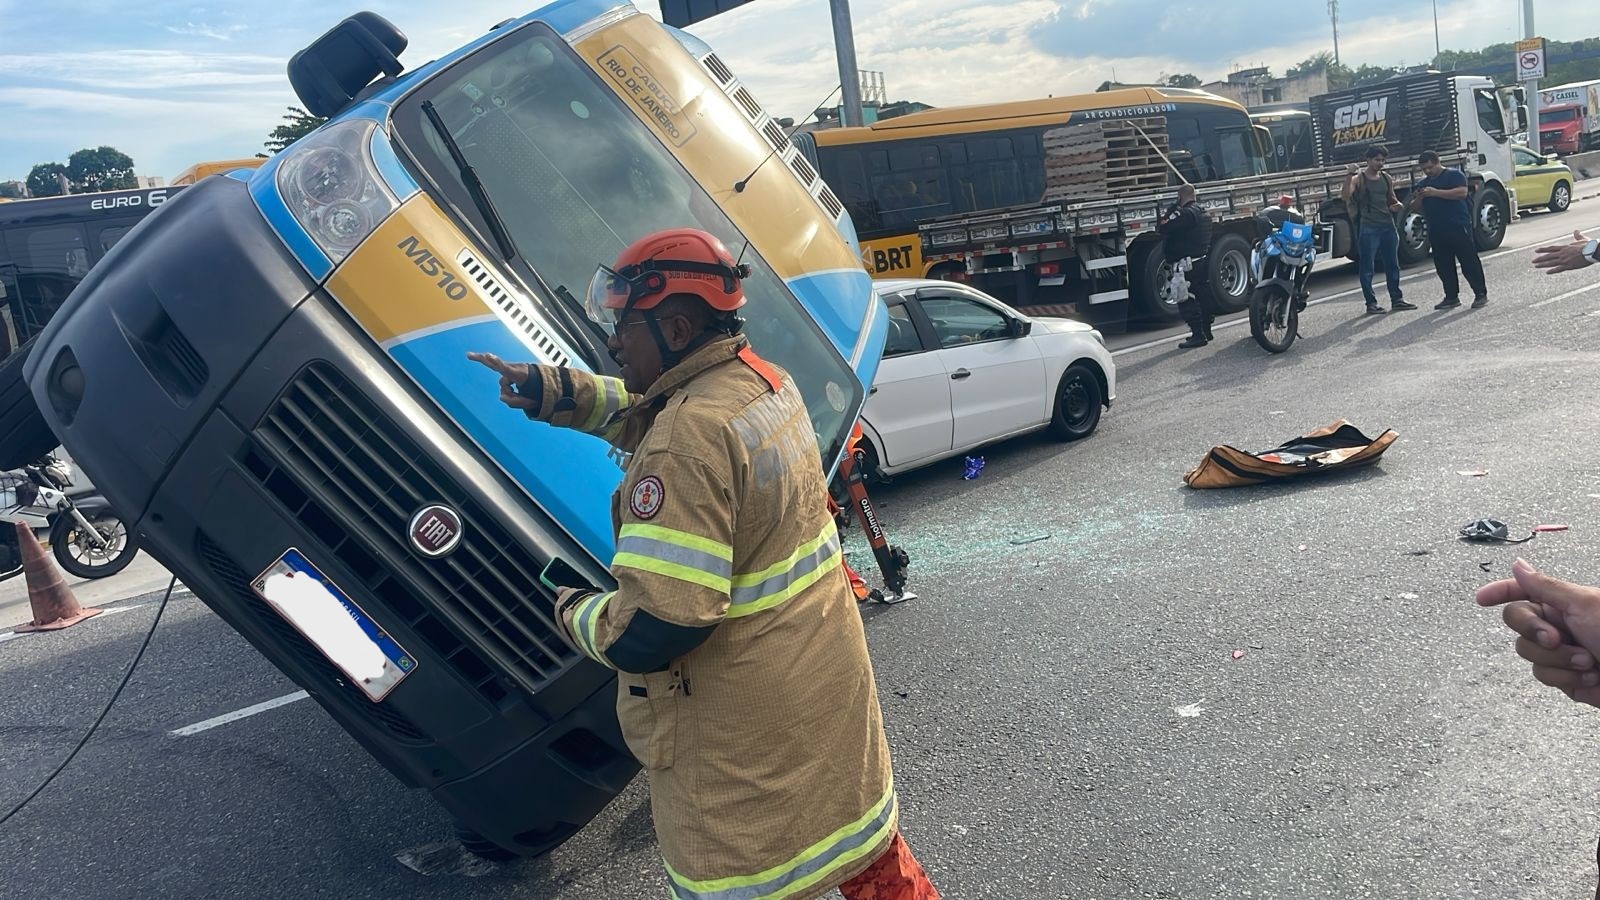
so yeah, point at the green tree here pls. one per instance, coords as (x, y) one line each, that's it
(10, 190)
(1183, 80)
(44, 180)
(100, 169)
(1339, 75)
(296, 124)
(1371, 74)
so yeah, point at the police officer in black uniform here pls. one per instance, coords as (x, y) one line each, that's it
(1186, 229)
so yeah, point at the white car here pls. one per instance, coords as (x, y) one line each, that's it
(961, 369)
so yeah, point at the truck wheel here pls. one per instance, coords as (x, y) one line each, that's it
(947, 272)
(24, 436)
(1414, 244)
(1490, 214)
(1228, 271)
(1150, 296)
(1561, 197)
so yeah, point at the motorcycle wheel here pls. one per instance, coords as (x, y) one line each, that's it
(80, 557)
(1273, 319)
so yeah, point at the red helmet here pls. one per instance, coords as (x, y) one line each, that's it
(1286, 201)
(658, 265)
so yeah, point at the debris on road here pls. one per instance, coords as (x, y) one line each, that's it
(1238, 654)
(1484, 566)
(1490, 531)
(1540, 529)
(445, 858)
(1339, 445)
(1409, 596)
(1192, 711)
(974, 466)
(1031, 540)
(1420, 553)
(1473, 473)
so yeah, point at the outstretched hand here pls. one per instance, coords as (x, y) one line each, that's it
(512, 376)
(1558, 628)
(1563, 257)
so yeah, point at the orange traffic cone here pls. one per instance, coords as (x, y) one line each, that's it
(54, 607)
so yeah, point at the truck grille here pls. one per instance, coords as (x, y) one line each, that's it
(354, 479)
(225, 570)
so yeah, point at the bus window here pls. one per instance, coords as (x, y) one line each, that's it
(1237, 159)
(50, 260)
(110, 234)
(842, 169)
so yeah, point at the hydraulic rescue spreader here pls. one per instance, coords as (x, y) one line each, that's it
(892, 561)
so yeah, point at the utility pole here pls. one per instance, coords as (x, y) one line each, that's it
(1436, 50)
(1333, 14)
(844, 43)
(1530, 88)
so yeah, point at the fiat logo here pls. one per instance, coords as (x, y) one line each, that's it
(435, 530)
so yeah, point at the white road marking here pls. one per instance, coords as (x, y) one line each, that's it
(1245, 320)
(1568, 295)
(121, 609)
(238, 714)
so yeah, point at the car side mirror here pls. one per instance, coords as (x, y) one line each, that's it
(1021, 328)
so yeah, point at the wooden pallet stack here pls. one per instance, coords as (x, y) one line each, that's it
(1096, 160)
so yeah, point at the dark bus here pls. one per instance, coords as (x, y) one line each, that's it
(47, 246)
(1292, 144)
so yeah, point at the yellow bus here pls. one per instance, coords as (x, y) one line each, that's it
(899, 172)
(215, 167)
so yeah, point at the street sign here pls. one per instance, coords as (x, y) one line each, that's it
(683, 13)
(1530, 59)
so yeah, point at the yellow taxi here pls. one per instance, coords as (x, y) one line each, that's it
(1541, 181)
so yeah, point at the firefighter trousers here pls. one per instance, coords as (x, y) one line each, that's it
(896, 875)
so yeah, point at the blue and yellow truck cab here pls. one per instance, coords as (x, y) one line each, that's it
(269, 375)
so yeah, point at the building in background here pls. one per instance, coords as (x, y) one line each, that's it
(150, 181)
(1257, 88)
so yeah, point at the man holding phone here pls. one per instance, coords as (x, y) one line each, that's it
(1442, 199)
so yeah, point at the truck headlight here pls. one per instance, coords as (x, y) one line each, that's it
(332, 187)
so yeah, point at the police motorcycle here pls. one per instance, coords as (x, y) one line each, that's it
(88, 538)
(1280, 266)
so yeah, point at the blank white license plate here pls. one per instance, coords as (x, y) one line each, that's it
(334, 624)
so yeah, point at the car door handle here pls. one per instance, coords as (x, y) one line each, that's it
(959, 374)
(871, 392)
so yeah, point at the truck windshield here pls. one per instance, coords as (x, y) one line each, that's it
(1559, 115)
(577, 177)
(1490, 115)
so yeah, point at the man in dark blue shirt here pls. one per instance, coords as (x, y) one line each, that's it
(1442, 197)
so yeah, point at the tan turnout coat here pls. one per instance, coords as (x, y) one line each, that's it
(769, 771)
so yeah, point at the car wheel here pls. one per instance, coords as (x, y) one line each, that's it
(869, 461)
(1561, 197)
(1228, 271)
(1079, 400)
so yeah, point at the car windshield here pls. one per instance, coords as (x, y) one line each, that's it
(577, 177)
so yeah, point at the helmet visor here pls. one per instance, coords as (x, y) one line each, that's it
(607, 298)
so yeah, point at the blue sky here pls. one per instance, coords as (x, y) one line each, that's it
(171, 83)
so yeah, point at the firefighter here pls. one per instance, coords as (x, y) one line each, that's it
(743, 682)
(1186, 228)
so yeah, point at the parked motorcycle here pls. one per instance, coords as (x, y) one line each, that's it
(1280, 266)
(87, 536)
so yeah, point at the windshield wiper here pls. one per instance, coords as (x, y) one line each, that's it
(474, 185)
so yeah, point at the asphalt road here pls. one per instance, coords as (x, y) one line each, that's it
(1066, 714)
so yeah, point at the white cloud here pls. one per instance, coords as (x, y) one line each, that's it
(225, 33)
(145, 69)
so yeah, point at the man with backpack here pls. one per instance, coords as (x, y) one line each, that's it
(1369, 196)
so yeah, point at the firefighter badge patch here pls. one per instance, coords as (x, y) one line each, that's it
(647, 497)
